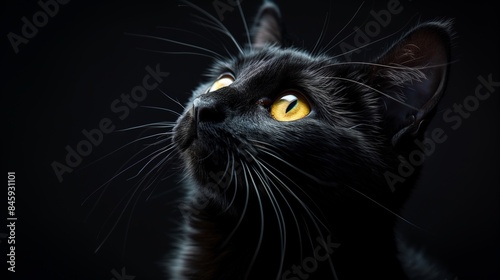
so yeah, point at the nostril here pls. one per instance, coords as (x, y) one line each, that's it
(208, 113)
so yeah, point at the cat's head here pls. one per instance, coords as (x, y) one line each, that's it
(278, 119)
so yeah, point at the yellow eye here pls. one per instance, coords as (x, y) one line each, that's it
(223, 81)
(290, 107)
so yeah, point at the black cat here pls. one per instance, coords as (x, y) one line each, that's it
(286, 153)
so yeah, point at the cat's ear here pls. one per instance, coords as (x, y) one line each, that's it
(412, 77)
(267, 29)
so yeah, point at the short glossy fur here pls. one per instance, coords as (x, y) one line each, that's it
(262, 195)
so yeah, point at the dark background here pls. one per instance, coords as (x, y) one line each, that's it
(66, 77)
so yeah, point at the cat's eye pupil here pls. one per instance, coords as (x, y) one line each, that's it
(292, 105)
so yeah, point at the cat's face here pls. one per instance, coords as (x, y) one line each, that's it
(282, 117)
(274, 108)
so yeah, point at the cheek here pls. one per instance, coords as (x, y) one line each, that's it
(290, 137)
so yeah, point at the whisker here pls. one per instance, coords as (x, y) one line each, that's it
(158, 169)
(216, 27)
(189, 32)
(322, 33)
(261, 234)
(308, 233)
(163, 139)
(279, 217)
(175, 42)
(233, 175)
(345, 26)
(122, 147)
(206, 157)
(225, 170)
(162, 109)
(135, 189)
(174, 100)
(396, 67)
(367, 44)
(245, 25)
(327, 183)
(165, 192)
(127, 228)
(125, 195)
(105, 185)
(338, 33)
(287, 188)
(180, 53)
(311, 215)
(149, 125)
(375, 90)
(116, 222)
(158, 153)
(267, 179)
(294, 167)
(245, 207)
(216, 23)
(118, 173)
(385, 208)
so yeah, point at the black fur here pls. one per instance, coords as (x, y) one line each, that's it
(262, 195)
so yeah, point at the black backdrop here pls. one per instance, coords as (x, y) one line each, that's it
(65, 78)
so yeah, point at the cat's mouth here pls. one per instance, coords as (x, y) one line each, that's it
(209, 150)
(200, 143)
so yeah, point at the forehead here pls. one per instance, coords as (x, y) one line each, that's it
(272, 64)
(270, 72)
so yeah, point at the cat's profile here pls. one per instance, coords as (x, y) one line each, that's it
(285, 153)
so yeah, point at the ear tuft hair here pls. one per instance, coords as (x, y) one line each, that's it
(413, 74)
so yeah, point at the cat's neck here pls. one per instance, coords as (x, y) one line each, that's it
(222, 245)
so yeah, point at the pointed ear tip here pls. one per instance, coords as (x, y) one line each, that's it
(270, 7)
(437, 35)
(445, 24)
(442, 27)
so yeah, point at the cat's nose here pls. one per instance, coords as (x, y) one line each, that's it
(206, 110)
